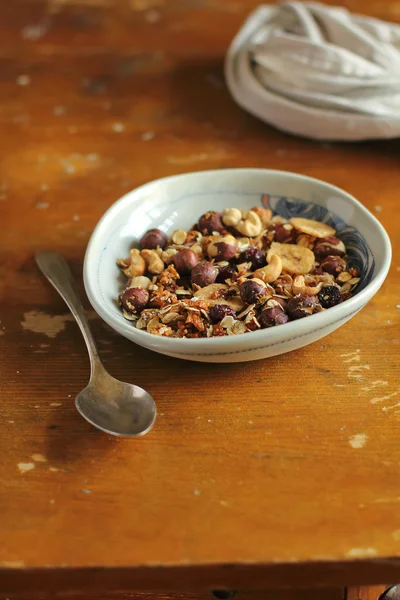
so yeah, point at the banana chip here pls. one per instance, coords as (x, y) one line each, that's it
(295, 259)
(207, 293)
(315, 228)
(211, 290)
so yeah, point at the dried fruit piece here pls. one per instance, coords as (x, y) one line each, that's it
(226, 272)
(315, 228)
(295, 259)
(329, 296)
(219, 311)
(255, 256)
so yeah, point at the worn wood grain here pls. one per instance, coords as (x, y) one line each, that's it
(365, 592)
(278, 473)
(290, 594)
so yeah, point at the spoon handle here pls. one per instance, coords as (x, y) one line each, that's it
(56, 269)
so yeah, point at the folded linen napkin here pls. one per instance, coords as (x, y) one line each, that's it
(318, 71)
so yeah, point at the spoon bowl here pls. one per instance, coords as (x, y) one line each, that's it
(122, 409)
(118, 408)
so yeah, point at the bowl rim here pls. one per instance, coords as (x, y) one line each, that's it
(298, 327)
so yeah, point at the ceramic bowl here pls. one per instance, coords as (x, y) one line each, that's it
(177, 202)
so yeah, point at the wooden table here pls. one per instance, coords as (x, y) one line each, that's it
(283, 473)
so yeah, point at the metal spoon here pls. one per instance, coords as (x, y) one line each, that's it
(115, 407)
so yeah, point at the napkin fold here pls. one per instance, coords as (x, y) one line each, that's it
(318, 71)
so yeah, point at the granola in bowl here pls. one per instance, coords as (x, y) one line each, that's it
(234, 272)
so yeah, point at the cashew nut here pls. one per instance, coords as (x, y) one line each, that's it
(231, 216)
(140, 281)
(299, 287)
(265, 214)
(135, 264)
(250, 225)
(168, 254)
(154, 263)
(272, 271)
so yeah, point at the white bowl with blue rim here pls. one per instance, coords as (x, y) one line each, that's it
(177, 202)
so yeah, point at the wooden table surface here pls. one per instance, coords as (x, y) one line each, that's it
(284, 471)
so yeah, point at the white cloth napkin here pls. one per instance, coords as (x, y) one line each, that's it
(318, 71)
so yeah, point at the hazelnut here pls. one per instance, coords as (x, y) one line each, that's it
(225, 273)
(134, 300)
(210, 222)
(284, 233)
(179, 236)
(250, 290)
(203, 274)
(280, 300)
(333, 265)
(329, 296)
(153, 238)
(222, 247)
(330, 246)
(270, 317)
(184, 261)
(255, 256)
(220, 311)
(300, 306)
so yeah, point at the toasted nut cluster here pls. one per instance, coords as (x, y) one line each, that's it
(234, 272)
